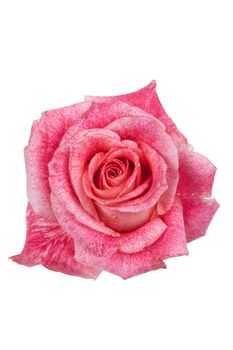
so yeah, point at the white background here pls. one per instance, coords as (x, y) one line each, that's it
(54, 52)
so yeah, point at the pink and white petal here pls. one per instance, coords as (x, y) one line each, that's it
(84, 147)
(100, 115)
(121, 221)
(144, 236)
(146, 99)
(49, 245)
(46, 134)
(95, 242)
(63, 195)
(173, 241)
(195, 188)
(95, 247)
(129, 265)
(197, 217)
(196, 177)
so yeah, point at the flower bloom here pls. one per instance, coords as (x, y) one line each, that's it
(113, 185)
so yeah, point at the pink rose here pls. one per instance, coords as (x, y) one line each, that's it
(113, 185)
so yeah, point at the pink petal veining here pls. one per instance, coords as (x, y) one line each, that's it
(47, 244)
(45, 137)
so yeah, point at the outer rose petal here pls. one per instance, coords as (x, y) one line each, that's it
(47, 244)
(100, 115)
(195, 187)
(46, 135)
(145, 235)
(146, 99)
(171, 243)
(101, 255)
(129, 265)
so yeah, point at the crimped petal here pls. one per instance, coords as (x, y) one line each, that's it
(195, 187)
(46, 135)
(173, 241)
(147, 100)
(49, 245)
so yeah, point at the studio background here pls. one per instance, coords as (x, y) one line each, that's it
(54, 52)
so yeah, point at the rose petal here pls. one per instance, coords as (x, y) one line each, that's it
(59, 178)
(144, 236)
(80, 153)
(195, 187)
(158, 186)
(100, 115)
(173, 241)
(98, 244)
(123, 221)
(148, 130)
(129, 265)
(47, 244)
(46, 135)
(147, 100)
(198, 217)
(109, 194)
(135, 193)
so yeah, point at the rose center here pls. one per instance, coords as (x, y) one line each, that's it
(113, 173)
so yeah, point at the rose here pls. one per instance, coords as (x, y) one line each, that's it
(113, 185)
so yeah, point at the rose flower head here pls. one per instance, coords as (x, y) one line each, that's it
(113, 185)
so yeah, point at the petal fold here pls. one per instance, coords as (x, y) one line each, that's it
(47, 244)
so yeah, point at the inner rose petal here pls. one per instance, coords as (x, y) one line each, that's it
(97, 185)
(115, 172)
(158, 184)
(148, 130)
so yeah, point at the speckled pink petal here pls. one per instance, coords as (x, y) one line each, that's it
(129, 265)
(46, 135)
(122, 221)
(63, 195)
(47, 244)
(132, 242)
(100, 115)
(144, 236)
(148, 130)
(96, 243)
(195, 187)
(171, 243)
(146, 99)
(85, 146)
